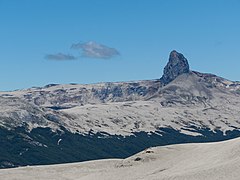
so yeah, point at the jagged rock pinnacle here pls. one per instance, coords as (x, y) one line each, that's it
(176, 66)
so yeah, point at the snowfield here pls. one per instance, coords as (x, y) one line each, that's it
(189, 103)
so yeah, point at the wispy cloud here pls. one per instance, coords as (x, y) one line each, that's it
(60, 57)
(92, 49)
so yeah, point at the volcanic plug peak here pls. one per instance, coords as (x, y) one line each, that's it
(176, 66)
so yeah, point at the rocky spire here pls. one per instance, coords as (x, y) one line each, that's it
(176, 66)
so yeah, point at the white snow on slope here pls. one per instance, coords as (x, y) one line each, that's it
(187, 104)
(124, 118)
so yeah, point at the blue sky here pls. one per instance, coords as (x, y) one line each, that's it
(89, 41)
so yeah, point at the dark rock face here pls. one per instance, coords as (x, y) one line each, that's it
(176, 66)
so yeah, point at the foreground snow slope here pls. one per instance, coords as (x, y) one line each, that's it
(219, 160)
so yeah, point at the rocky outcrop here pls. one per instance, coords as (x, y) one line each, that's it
(176, 66)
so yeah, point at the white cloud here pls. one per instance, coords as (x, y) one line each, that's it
(92, 49)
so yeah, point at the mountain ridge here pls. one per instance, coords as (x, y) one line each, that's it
(126, 117)
(70, 105)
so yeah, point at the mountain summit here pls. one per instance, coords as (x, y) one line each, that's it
(61, 123)
(176, 66)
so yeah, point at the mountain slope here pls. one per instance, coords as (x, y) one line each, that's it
(187, 161)
(69, 123)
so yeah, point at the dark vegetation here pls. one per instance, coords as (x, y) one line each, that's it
(41, 146)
